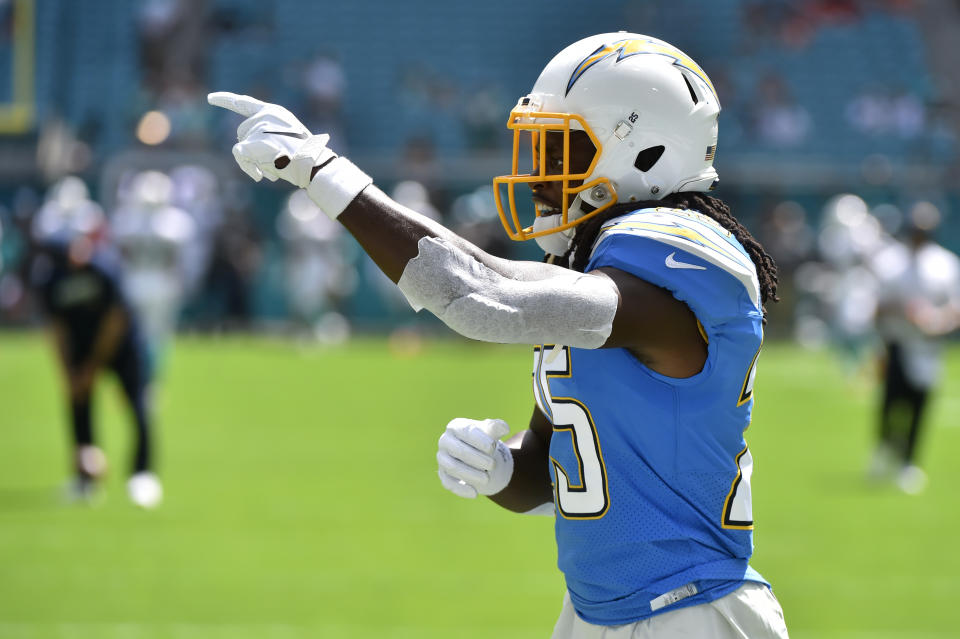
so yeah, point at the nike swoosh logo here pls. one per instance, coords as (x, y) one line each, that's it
(289, 134)
(673, 263)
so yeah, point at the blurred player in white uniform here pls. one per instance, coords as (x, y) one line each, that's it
(919, 304)
(197, 191)
(153, 236)
(848, 238)
(318, 273)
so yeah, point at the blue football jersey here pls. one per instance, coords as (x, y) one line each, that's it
(652, 474)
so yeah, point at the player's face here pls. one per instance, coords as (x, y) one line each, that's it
(549, 194)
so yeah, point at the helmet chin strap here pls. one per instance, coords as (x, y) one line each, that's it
(557, 243)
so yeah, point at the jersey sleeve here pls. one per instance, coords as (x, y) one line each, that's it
(689, 255)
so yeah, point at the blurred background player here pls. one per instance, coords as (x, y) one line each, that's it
(153, 236)
(845, 287)
(197, 191)
(78, 281)
(919, 305)
(317, 271)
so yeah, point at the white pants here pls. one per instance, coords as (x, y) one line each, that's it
(750, 612)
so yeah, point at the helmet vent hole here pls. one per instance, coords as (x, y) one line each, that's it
(648, 157)
(693, 94)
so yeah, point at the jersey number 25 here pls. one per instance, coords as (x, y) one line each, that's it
(582, 492)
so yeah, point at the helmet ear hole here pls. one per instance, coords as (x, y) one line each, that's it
(648, 157)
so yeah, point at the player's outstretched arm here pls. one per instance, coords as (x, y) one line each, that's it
(274, 144)
(491, 299)
(473, 461)
(476, 294)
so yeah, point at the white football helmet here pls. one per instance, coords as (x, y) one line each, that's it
(68, 212)
(649, 110)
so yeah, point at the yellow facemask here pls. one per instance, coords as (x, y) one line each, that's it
(525, 118)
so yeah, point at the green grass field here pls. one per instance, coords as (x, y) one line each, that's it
(302, 501)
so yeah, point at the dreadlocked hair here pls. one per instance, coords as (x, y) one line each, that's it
(710, 206)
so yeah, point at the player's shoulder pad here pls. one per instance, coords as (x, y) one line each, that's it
(684, 251)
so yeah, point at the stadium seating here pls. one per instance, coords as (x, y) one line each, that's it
(87, 62)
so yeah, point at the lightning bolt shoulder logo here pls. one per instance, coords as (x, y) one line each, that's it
(672, 262)
(636, 46)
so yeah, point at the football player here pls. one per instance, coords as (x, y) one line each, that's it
(78, 280)
(919, 306)
(153, 236)
(647, 320)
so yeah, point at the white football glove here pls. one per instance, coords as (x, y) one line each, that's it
(273, 143)
(472, 459)
(268, 135)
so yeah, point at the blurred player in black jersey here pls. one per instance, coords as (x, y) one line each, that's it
(77, 278)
